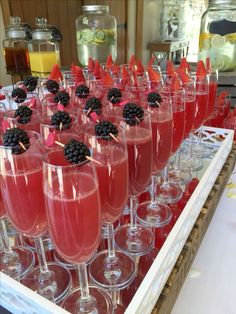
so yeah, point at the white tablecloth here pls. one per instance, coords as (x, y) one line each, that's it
(210, 287)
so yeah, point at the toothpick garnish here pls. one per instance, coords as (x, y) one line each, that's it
(88, 112)
(114, 138)
(75, 152)
(106, 130)
(22, 145)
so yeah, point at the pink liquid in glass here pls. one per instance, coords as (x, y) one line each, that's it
(113, 182)
(32, 125)
(75, 222)
(190, 109)
(178, 129)
(2, 209)
(139, 144)
(201, 109)
(162, 143)
(211, 98)
(23, 192)
(2, 113)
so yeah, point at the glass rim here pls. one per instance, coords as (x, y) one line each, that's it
(37, 138)
(51, 165)
(53, 126)
(105, 138)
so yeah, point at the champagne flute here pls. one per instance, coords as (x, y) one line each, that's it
(110, 268)
(134, 238)
(21, 172)
(74, 217)
(154, 213)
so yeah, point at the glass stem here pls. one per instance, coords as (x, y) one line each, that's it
(110, 241)
(190, 152)
(41, 255)
(114, 297)
(133, 215)
(83, 280)
(153, 189)
(178, 155)
(200, 133)
(165, 175)
(5, 239)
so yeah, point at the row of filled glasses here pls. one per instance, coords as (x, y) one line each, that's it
(151, 136)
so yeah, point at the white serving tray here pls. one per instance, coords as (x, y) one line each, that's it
(18, 299)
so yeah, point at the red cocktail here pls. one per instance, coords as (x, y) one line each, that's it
(201, 103)
(190, 109)
(23, 190)
(211, 98)
(162, 132)
(113, 182)
(32, 125)
(2, 209)
(178, 129)
(68, 215)
(110, 268)
(74, 217)
(139, 145)
(134, 238)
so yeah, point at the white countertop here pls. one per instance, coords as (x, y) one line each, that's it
(210, 287)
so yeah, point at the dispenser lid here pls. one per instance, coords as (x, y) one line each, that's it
(16, 29)
(215, 2)
(95, 8)
(43, 31)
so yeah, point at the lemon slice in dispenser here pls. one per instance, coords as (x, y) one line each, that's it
(218, 41)
(99, 37)
(227, 63)
(218, 62)
(87, 36)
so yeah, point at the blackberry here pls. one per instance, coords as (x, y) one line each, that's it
(24, 114)
(93, 104)
(75, 152)
(133, 113)
(104, 129)
(61, 120)
(52, 86)
(31, 83)
(82, 91)
(114, 95)
(19, 95)
(13, 137)
(154, 99)
(62, 97)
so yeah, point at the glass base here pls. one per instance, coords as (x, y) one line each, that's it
(53, 285)
(180, 176)
(138, 242)
(115, 273)
(103, 301)
(168, 193)
(18, 263)
(191, 163)
(203, 151)
(154, 216)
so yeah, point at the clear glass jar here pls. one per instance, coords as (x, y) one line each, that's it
(43, 48)
(218, 34)
(96, 33)
(15, 47)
